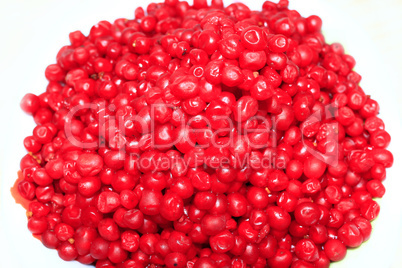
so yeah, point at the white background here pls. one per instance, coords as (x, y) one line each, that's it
(32, 31)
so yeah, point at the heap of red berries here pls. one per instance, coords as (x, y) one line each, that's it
(204, 136)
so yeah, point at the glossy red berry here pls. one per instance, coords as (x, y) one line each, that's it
(307, 213)
(335, 250)
(306, 250)
(30, 103)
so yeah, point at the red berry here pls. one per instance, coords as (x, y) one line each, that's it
(30, 103)
(67, 251)
(335, 250)
(307, 214)
(307, 250)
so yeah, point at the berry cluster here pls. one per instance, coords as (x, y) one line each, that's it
(204, 136)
